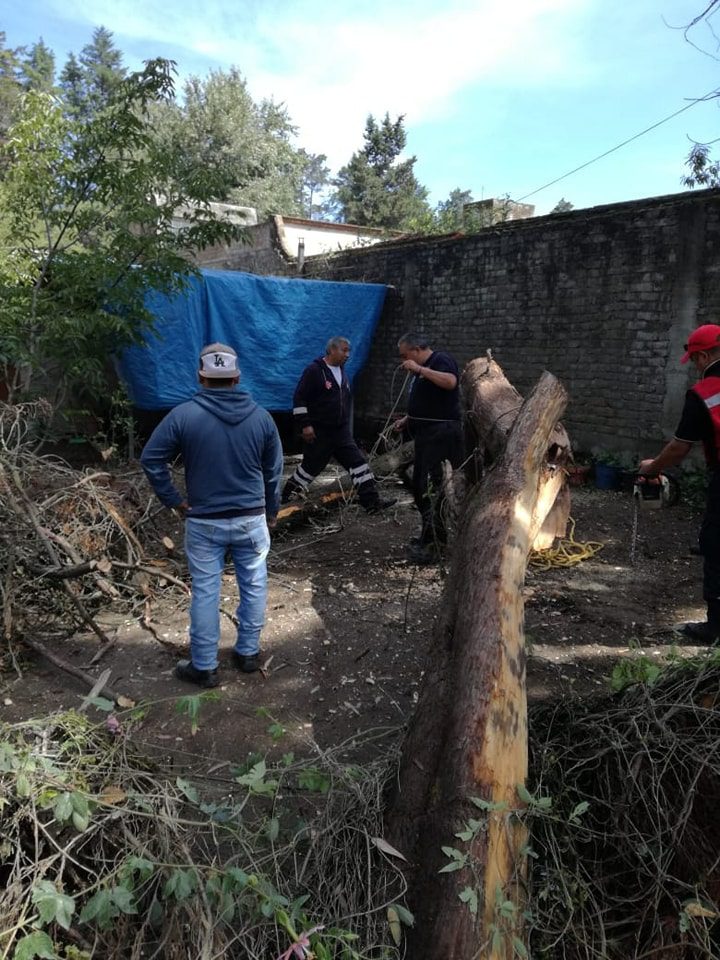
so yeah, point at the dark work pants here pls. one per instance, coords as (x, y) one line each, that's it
(434, 443)
(710, 548)
(334, 442)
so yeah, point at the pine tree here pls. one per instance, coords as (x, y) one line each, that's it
(315, 178)
(39, 68)
(10, 84)
(378, 189)
(90, 81)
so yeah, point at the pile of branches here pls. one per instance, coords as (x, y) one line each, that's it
(71, 542)
(105, 854)
(628, 855)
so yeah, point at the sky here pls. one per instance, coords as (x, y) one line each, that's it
(499, 98)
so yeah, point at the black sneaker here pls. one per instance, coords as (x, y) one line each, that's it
(203, 678)
(247, 663)
(701, 631)
(375, 506)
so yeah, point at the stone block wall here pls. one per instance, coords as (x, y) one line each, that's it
(603, 298)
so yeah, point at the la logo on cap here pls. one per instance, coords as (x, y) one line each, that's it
(219, 362)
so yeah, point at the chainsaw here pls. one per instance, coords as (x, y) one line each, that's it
(652, 493)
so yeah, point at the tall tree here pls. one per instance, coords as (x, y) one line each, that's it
(87, 231)
(562, 206)
(245, 146)
(90, 82)
(315, 177)
(10, 83)
(39, 67)
(449, 213)
(376, 188)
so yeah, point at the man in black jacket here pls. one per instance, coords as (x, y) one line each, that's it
(433, 420)
(322, 407)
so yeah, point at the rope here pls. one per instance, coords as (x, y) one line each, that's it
(567, 553)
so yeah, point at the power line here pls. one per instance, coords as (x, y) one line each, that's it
(693, 103)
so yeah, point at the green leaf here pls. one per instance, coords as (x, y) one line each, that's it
(123, 899)
(181, 884)
(273, 829)
(507, 909)
(579, 810)
(62, 807)
(188, 789)
(452, 852)
(144, 868)
(80, 822)
(35, 944)
(544, 803)
(52, 905)
(100, 908)
(524, 793)
(451, 867)
(255, 780)
(22, 785)
(239, 878)
(102, 703)
(404, 915)
(314, 780)
(277, 731)
(79, 804)
(519, 947)
(470, 897)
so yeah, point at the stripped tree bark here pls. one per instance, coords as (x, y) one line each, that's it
(468, 737)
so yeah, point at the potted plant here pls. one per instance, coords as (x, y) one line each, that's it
(578, 472)
(608, 471)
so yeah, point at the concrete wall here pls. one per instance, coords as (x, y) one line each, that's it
(272, 247)
(604, 298)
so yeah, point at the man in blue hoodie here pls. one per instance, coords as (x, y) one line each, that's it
(233, 466)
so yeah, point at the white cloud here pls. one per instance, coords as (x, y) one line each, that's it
(333, 63)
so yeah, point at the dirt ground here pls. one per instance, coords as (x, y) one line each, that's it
(350, 625)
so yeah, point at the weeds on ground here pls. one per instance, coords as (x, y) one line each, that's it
(104, 853)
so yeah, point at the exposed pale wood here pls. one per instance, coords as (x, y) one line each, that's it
(469, 734)
(491, 407)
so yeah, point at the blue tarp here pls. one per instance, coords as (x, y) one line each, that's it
(277, 327)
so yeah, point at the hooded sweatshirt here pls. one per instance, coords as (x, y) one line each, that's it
(230, 449)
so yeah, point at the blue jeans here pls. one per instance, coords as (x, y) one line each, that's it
(206, 542)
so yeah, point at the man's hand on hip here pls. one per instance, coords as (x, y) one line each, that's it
(271, 522)
(308, 434)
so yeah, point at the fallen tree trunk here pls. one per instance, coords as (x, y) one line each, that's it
(323, 494)
(491, 405)
(468, 738)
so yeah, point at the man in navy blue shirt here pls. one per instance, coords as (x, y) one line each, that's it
(433, 420)
(322, 408)
(233, 466)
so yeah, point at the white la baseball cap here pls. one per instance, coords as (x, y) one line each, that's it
(218, 360)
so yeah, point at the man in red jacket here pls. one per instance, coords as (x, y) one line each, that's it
(322, 407)
(700, 421)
